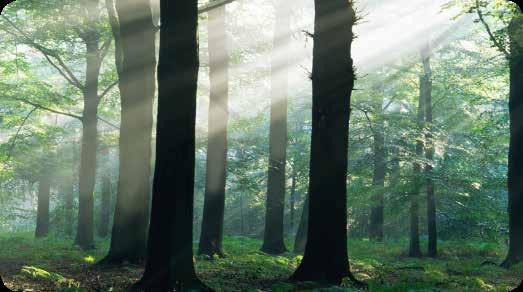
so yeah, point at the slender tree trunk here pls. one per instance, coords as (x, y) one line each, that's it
(134, 35)
(325, 258)
(103, 230)
(429, 155)
(378, 178)
(301, 234)
(214, 201)
(91, 38)
(515, 156)
(414, 249)
(42, 213)
(169, 263)
(292, 201)
(273, 242)
(69, 192)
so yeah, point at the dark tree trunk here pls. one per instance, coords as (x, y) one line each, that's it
(301, 234)
(325, 259)
(105, 206)
(273, 242)
(91, 38)
(432, 250)
(378, 179)
(515, 156)
(169, 263)
(214, 201)
(135, 59)
(42, 213)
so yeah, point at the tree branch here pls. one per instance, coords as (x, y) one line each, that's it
(13, 144)
(106, 91)
(213, 5)
(39, 106)
(489, 31)
(62, 68)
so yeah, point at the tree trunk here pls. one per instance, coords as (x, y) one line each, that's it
(91, 38)
(136, 61)
(414, 249)
(216, 167)
(325, 258)
(301, 234)
(273, 242)
(105, 207)
(292, 201)
(515, 156)
(378, 178)
(432, 250)
(69, 192)
(169, 263)
(42, 213)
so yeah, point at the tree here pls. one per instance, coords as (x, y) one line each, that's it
(414, 247)
(515, 155)
(429, 153)
(42, 217)
(325, 258)
(379, 171)
(134, 34)
(105, 204)
(169, 262)
(275, 205)
(214, 199)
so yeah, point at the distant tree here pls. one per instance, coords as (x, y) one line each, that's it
(105, 204)
(273, 242)
(211, 235)
(301, 235)
(169, 262)
(325, 259)
(42, 213)
(376, 219)
(134, 34)
(426, 78)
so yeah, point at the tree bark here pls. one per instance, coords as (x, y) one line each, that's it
(91, 38)
(211, 235)
(378, 178)
(432, 250)
(169, 263)
(273, 242)
(301, 234)
(134, 35)
(42, 213)
(515, 156)
(325, 259)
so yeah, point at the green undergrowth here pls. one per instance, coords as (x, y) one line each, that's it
(460, 266)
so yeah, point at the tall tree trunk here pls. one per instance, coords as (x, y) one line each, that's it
(273, 242)
(91, 38)
(135, 57)
(42, 213)
(325, 258)
(216, 167)
(301, 234)
(169, 263)
(378, 178)
(105, 208)
(515, 156)
(432, 250)
(414, 249)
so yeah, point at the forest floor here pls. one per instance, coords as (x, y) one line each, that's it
(56, 265)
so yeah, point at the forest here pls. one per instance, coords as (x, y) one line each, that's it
(261, 145)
